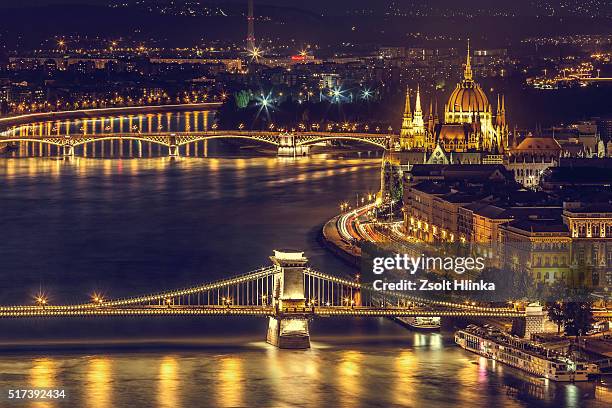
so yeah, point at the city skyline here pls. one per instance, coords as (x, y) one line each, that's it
(283, 204)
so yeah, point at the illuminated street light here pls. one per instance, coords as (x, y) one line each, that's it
(337, 94)
(366, 94)
(41, 299)
(97, 298)
(255, 53)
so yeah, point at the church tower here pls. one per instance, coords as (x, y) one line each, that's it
(406, 131)
(418, 124)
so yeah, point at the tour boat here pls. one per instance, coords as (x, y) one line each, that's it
(523, 354)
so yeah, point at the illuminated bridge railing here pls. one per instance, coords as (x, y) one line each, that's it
(102, 310)
(256, 294)
(168, 138)
(327, 290)
(249, 289)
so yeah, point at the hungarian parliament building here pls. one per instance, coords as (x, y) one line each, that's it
(470, 131)
(469, 123)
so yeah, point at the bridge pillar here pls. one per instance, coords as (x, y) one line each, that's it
(289, 329)
(68, 151)
(288, 147)
(173, 151)
(532, 323)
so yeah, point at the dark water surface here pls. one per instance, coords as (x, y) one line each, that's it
(126, 227)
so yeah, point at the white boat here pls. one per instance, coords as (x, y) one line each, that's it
(523, 354)
(421, 323)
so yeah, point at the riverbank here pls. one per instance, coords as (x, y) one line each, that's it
(333, 241)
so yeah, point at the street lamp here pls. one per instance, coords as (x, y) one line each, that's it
(41, 299)
(97, 298)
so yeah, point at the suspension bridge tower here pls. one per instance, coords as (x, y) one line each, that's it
(285, 329)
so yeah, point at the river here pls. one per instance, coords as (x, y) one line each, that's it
(129, 226)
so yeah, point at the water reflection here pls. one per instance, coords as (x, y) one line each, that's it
(168, 385)
(43, 375)
(349, 377)
(99, 389)
(143, 123)
(230, 390)
(335, 376)
(405, 384)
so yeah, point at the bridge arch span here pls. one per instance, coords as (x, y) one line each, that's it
(228, 136)
(100, 139)
(374, 142)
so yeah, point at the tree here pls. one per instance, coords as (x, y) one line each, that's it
(242, 99)
(556, 314)
(577, 318)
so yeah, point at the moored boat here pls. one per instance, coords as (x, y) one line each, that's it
(523, 354)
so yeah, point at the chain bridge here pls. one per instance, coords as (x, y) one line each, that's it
(288, 293)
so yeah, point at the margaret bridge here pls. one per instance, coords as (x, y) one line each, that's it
(288, 293)
(65, 136)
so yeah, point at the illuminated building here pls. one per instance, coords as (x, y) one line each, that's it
(539, 247)
(469, 124)
(590, 226)
(533, 156)
(436, 194)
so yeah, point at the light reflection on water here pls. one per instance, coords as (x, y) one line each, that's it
(99, 387)
(142, 123)
(168, 385)
(130, 226)
(336, 375)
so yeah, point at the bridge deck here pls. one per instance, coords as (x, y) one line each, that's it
(262, 311)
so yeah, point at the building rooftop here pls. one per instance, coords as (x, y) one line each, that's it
(537, 144)
(552, 225)
(469, 172)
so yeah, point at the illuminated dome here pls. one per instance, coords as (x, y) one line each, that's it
(468, 97)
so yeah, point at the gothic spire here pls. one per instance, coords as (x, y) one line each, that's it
(467, 75)
(407, 111)
(417, 106)
(417, 120)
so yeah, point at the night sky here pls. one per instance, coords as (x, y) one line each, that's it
(335, 6)
(382, 7)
